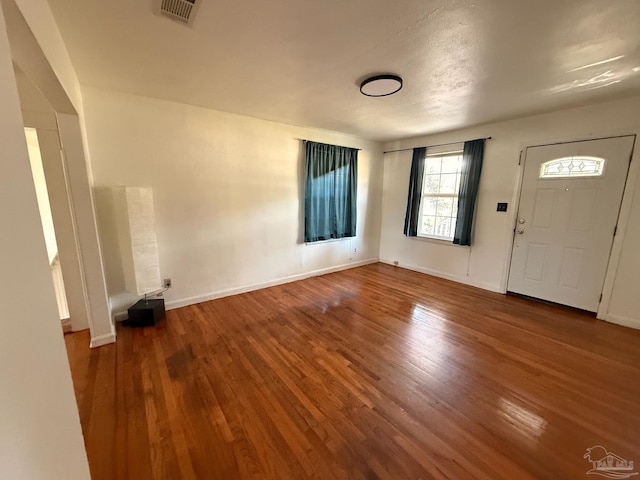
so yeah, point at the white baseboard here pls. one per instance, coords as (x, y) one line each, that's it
(624, 321)
(447, 276)
(123, 315)
(271, 283)
(101, 340)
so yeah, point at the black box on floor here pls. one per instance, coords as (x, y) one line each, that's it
(146, 313)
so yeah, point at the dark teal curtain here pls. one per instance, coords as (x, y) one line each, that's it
(415, 192)
(469, 182)
(330, 194)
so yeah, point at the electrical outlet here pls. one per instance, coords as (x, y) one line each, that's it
(167, 283)
(355, 250)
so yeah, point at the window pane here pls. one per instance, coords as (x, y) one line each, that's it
(450, 164)
(431, 184)
(445, 207)
(573, 167)
(443, 226)
(432, 165)
(428, 225)
(448, 183)
(440, 187)
(429, 205)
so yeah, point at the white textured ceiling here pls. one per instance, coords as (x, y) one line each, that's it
(464, 62)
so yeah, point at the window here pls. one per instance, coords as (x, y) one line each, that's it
(572, 167)
(440, 188)
(442, 193)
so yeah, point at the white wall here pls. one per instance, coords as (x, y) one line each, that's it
(485, 264)
(227, 192)
(40, 435)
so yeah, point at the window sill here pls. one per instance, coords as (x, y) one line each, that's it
(329, 240)
(438, 241)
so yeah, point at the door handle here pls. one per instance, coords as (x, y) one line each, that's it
(520, 231)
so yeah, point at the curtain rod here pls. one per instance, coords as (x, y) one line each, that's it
(431, 146)
(305, 141)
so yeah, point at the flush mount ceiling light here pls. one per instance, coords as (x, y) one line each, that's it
(381, 85)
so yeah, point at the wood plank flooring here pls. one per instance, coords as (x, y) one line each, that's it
(371, 373)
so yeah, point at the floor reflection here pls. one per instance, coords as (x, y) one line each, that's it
(426, 330)
(528, 425)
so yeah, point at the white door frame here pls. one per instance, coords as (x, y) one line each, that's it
(27, 53)
(623, 219)
(64, 225)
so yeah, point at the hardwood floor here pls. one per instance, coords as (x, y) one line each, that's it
(371, 373)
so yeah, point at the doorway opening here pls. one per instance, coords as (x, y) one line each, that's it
(48, 228)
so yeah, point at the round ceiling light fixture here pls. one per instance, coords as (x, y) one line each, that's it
(381, 85)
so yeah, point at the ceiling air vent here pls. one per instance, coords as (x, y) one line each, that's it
(181, 10)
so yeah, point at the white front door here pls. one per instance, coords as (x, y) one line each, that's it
(569, 205)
